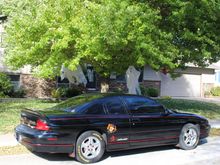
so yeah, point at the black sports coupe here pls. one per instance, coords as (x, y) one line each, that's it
(88, 125)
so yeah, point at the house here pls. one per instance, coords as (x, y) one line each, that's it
(192, 82)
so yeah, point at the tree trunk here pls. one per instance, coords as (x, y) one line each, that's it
(104, 85)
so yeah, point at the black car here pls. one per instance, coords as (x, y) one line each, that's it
(88, 125)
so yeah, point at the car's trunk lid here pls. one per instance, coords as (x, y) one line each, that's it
(31, 118)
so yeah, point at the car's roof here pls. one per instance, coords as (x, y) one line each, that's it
(106, 95)
(88, 97)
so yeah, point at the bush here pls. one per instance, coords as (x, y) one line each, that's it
(118, 90)
(65, 92)
(215, 91)
(56, 93)
(5, 84)
(2, 95)
(73, 91)
(19, 93)
(151, 92)
(166, 97)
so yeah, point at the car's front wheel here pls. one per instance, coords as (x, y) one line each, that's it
(90, 147)
(189, 137)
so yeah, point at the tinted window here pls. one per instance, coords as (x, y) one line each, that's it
(142, 105)
(96, 109)
(115, 106)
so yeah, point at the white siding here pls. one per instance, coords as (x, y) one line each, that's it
(208, 78)
(150, 74)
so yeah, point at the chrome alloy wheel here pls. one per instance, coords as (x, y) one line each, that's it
(91, 147)
(190, 137)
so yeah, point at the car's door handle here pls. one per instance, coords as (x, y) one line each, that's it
(135, 120)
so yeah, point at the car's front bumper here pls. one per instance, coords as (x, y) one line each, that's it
(42, 141)
(205, 130)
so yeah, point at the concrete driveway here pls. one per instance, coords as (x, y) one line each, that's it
(208, 152)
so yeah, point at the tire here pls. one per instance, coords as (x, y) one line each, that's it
(189, 137)
(90, 147)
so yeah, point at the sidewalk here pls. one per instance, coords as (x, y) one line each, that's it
(214, 123)
(215, 100)
(8, 140)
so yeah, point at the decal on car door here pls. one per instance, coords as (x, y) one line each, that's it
(111, 128)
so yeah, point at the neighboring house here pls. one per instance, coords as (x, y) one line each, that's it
(193, 82)
(23, 78)
(217, 73)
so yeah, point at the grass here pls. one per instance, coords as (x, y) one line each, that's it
(208, 110)
(10, 112)
(215, 132)
(13, 150)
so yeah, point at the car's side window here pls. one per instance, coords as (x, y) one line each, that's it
(142, 105)
(96, 109)
(115, 106)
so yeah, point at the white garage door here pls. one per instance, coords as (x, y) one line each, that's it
(188, 85)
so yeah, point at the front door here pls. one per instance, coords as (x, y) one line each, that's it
(91, 77)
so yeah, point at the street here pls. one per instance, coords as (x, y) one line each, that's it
(208, 152)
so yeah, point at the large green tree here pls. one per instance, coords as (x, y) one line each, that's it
(112, 34)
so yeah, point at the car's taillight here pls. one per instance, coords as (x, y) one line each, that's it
(42, 125)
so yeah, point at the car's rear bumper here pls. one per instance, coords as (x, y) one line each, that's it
(41, 141)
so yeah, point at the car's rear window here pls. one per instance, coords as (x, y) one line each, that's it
(78, 101)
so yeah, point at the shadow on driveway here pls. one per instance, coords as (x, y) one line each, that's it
(65, 157)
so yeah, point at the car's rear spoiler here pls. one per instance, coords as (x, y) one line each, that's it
(32, 114)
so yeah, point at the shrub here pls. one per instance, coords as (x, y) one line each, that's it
(5, 84)
(118, 90)
(152, 92)
(215, 91)
(2, 95)
(147, 91)
(73, 91)
(55, 93)
(19, 93)
(166, 97)
(65, 92)
(207, 93)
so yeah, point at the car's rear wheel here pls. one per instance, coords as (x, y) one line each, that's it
(189, 137)
(90, 147)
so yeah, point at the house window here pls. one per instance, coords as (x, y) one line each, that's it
(62, 83)
(217, 76)
(15, 80)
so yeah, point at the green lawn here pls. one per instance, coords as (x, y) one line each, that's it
(208, 110)
(10, 111)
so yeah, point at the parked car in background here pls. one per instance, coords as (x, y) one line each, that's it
(88, 125)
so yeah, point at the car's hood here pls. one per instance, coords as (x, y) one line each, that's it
(196, 116)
